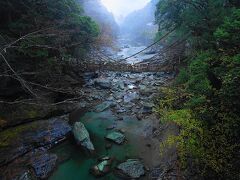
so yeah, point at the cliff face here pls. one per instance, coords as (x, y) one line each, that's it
(139, 26)
(101, 15)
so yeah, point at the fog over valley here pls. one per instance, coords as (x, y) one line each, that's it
(121, 8)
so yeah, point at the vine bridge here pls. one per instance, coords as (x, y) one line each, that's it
(164, 59)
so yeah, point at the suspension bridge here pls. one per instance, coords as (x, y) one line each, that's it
(164, 59)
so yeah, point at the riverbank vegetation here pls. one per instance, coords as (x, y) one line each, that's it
(40, 44)
(39, 37)
(204, 100)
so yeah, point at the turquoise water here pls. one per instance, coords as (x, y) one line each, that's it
(78, 162)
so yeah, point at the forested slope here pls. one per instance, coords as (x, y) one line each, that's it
(39, 39)
(108, 27)
(204, 101)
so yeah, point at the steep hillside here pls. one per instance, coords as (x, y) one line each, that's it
(103, 17)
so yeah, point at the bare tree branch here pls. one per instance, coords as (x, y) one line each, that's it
(23, 37)
(30, 102)
(63, 91)
(22, 81)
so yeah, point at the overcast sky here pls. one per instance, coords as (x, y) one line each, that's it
(121, 8)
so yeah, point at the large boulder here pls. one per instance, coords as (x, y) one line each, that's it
(37, 164)
(132, 168)
(44, 164)
(82, 136)
(22, 139)
(116, 137)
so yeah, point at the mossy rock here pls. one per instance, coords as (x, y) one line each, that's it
(18, 114)
(12, 134)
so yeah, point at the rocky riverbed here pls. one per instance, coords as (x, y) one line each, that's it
(120, 129)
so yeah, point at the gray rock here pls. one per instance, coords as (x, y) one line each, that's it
(132, 168)
(82, 136)
(25, 176)
(142, 87)
(131, 87)
(121, 110)
(116, 137)
(32, 135)
(103, 167)
(156, 173)
(118, 95)
(103, 83)
(95, 96)
(44, 164)
(130, 97)
(104, 106)
(158, 83)
(119, 85)
(110, 98)
(37, 164)
(82, 104)
(147, 107)
(146, 91)
(90, 75)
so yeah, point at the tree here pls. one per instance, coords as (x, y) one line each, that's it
(211, 82)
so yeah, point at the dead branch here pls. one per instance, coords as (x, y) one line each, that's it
(23, 37)
(57, 90)
(30, 102)
(22, 81)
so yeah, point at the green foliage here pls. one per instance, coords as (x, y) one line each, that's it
(196, 16)
(227, 34)
(182, 77)
(64, 28)
(209, 113)
(189, 139)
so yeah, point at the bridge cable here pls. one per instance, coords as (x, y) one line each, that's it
(163, 37)
(174, 44)
(168, 33)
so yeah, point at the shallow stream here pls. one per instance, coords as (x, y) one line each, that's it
(78, 163)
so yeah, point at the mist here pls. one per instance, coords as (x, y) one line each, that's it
(121, 8)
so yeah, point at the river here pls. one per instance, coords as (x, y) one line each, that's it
(131, 96)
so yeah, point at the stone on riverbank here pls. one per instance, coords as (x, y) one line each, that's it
(37, 164)
(25, 138)
(44, 164)
(132, 168)
(102, 168)
(103, 83)
(116, 137)
(82, 136)
(104, 106)
(119, 85)
(129, 97)
(147, 107)
(90, 75)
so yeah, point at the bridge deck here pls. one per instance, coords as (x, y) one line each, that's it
(163, 61)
